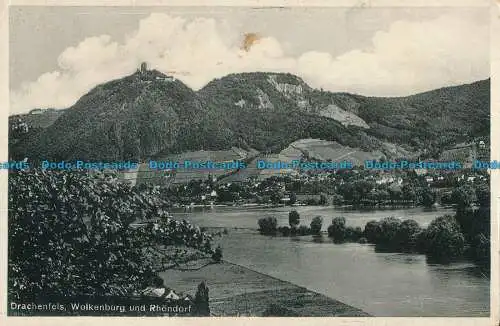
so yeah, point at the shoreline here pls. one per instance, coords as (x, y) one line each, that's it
(189, 208)
(236, 290)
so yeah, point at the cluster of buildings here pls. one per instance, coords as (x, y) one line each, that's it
(166, 293)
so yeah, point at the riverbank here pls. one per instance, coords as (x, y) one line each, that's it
(239, 291)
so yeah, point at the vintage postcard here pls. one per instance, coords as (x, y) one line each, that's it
(263, 160)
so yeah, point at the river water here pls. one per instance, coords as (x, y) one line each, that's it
(382, 284)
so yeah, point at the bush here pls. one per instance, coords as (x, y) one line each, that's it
(353, 233)
(284, 230)
(268, 225)
(303, 230)
(316, 225)
(337, 229)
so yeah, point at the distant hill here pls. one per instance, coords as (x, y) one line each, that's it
(441, 117)
(151, 115)
(130, 118)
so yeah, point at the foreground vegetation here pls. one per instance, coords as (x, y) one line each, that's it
(70, 236)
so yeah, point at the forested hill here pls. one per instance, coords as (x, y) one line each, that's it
(149, 114)
(435, 118)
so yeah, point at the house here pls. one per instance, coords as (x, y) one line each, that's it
(172, 295)
(384, 180)
(166, 78)
(36, 111)
(154, 292)
(240, 103)
(285, 199)
(420, 172)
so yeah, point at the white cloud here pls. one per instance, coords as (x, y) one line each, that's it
(409, 57)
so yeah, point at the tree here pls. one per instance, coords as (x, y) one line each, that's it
(483, 194)
(372, 231)
(17, 128)
(337, 229)
(348, 192)
(268, 225)
(276, 195)
(388, 229)
(323, 200)
(428, 197)
(293, 219)
(395, 192)
(337, 199)
(217, 255)
(475, 224)
(444, 239)
(316, 224)
(69, 235)
(481, 250)
(201, 300)
(463, 196)
(409, 192)
(225, 195)
(293, 198)
(405, 237)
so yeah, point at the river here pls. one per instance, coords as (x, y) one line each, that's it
(382, 284)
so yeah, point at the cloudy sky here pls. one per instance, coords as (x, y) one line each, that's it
(57, 54)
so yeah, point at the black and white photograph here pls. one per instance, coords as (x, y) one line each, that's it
(232, 161)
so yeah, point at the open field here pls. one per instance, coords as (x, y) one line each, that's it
(236, 290)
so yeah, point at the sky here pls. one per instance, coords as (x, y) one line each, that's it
(57, 54)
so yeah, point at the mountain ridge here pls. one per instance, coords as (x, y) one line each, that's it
(149, 114)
